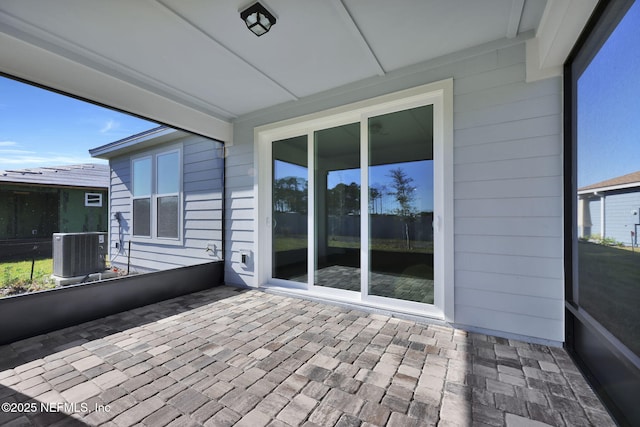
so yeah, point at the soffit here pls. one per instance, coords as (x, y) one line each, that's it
(198, 53)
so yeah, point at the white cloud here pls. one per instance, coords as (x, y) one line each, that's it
(109, 125)
(8, 151)
(8, 143)
(19, 159)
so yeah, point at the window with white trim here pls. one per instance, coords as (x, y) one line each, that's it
(93, 200)
(157, 183)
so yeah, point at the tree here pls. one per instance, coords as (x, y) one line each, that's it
(290, 194)
(405, 195)
(374, 194)
(344, 199)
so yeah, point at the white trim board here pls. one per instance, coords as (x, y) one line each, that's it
(438, 94)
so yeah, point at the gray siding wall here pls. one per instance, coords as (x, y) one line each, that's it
(202, 186)
(594, 209)
(619, 215)
(507, 183)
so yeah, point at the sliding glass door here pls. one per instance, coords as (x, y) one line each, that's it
(337, 207)
(354, 202)
(400, 191)
(289, 191)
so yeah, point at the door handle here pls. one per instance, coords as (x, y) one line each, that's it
(437, 223)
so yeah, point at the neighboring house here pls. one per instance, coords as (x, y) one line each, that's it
(166, 200)
(37, 202)
(481, 94)
(611, 209)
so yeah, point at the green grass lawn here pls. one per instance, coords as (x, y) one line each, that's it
(609, 283)
(290, 243)
(15, 275)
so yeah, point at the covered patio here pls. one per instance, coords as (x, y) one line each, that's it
(231, 356)
(472, 103)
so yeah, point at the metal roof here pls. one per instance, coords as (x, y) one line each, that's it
(88, 175)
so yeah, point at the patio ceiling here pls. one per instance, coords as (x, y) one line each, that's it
(181, 62)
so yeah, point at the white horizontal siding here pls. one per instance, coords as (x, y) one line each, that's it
(489, 79)
(201, 214)
(508, 206)
(239, 213)
(119, 202)
(241, 225)
(531, 266)
(506, 150)
(508, 169)
(510, 323)
(509, 131)
(202, 210)
(203, 235)
(507, 187)
(242, 203)
(513, 226)
(528, 246)
(158, 253)
(202, 175)
(518, 110)
(210, 204)
(506, 94)
(517, 304)
(517, 284)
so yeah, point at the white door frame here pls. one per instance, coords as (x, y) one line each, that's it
(438, 94)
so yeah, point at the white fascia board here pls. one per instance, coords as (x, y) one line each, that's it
(610, 188)
(134, 143)
(559, 29)
(44, 67)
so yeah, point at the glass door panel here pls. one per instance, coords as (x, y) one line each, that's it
(289, 206)
(337, 207)
(401, 202)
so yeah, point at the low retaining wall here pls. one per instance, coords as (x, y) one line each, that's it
(27, 315)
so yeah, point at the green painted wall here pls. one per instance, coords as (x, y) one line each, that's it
(37, 212)
(76, 217)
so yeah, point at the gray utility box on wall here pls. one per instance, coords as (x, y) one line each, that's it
(77, 254)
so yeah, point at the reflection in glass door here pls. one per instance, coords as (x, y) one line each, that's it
(289, 209)
(393, 195)
(401, 205)
(337, 207)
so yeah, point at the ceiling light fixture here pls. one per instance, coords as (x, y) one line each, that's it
(258, 19)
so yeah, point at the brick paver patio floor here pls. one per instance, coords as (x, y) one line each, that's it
(227, 356)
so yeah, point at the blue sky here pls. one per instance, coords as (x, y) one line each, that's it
(43, 128)
(609, 106)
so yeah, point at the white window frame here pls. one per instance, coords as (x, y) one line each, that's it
(93, 200)
(438, 94)
(146, 196)
(153, 197)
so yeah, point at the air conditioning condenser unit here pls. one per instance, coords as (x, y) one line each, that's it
(79, 254)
